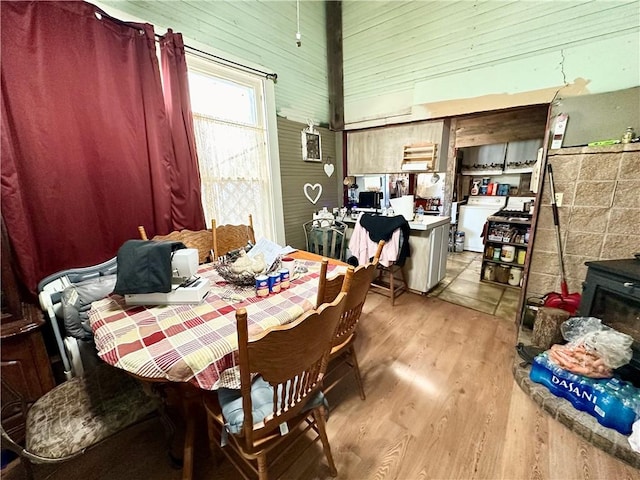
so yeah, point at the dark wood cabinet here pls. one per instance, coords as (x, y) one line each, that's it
(24, 363)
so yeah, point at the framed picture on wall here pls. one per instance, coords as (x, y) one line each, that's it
(311, 146)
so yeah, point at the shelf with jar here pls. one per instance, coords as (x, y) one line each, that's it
(505, 253)
(501, 284)
(502, 273)
(509, 232)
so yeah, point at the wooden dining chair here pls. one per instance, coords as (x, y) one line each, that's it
(231, 237)
(356, 285)
(201, 240)
(284, 400)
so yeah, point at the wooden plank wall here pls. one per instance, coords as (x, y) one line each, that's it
(257, 33)
(295, 173)
(334, 73)
(402, 55)
(500, 127)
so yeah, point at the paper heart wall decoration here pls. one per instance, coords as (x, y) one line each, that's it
(308, 187)
(328, 169)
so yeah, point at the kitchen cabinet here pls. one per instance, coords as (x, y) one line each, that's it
(381, 150)
(429, 245)
(521, 157)
(501, 158)
(24, 362)
(26, 371)
(505, 252)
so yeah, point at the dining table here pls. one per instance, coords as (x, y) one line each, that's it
(192, 348)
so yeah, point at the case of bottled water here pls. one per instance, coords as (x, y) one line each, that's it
(613, 402)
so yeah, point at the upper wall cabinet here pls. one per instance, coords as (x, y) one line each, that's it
(485, 158)
(522, 156)
(513, 157)
(382, 149)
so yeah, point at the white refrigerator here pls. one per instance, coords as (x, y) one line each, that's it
(474, 215)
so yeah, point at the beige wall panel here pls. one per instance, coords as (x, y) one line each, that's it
(630, 165)
(380, 150)
(599, 223)
(627, 194)
(619, 246)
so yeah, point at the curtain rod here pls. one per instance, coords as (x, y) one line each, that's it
(209, 56)
(230, 63)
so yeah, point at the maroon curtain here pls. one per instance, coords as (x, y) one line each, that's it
(186, 202)
(86, 148)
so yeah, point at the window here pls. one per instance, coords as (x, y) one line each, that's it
(233, 146)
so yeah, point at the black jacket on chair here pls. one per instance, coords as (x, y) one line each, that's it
(381, 227)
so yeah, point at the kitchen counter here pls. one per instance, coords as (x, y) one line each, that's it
(428, 222)
(429, 245)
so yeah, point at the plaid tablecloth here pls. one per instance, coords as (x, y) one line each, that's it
(193, 343)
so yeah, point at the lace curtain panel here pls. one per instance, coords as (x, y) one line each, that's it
(234, 173)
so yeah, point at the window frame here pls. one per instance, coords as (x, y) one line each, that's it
(266, 119)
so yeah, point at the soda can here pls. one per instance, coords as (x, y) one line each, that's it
(284, 278)
(262, 286)
(274, 282)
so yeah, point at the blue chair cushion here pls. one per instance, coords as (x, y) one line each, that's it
(261, 402)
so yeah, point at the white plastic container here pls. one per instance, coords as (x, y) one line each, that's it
(403, 206)
(508, 253)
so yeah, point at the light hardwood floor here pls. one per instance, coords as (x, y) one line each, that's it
(441, 404)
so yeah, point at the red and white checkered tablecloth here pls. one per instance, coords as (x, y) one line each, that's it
(193, 343)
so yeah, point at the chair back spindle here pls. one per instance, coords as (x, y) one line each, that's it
(142, 232)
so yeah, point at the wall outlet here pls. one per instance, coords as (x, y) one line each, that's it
(559, 199)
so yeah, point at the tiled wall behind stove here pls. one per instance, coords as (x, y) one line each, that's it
(599, 216)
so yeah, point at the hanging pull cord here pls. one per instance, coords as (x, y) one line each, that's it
(298, 35)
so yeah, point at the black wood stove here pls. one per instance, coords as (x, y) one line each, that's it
(611, 292)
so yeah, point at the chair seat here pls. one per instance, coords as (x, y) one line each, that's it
(261, 403)
(85, 410)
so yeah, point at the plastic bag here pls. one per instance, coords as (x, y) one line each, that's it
(614, 347)
(594, 350)
(634, 438)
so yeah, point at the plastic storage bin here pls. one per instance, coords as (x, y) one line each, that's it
(614, 403)
(459, 241)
